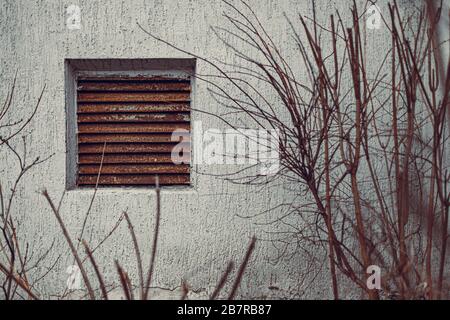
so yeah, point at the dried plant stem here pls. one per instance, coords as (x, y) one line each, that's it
(71, 245)
(19, 282)
(138, 255)
(124, 281)
(241, 270)
(222, 281)
(155, 238)
(97, 271)
(184, 290)
(88, 211)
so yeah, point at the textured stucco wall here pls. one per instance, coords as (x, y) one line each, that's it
(200, 230)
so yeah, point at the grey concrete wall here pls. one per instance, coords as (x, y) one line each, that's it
(201, 229)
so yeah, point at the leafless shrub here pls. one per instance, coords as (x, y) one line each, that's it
(16, 261)
(15, 264)
(125, 281)
(364, 146)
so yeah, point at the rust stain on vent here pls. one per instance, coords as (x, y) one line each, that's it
(127, 180)
(128, 158)
(131, 127)
(132, 107)
(128, 148)
(136, 117)
(129, 137)
(132, 96)
(134, 169)
(133, 86)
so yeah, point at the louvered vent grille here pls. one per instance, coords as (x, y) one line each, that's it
(135, 117)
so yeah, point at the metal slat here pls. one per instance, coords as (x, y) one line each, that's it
(134, 117)
(136, 137)
(119, 86)
(125, 78)
(128, 158)
(130, 180)
(129, 148)
(132, 107)
(134, 169)
(132, 128)
(132, 96)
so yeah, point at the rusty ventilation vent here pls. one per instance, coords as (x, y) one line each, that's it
(135, 117)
